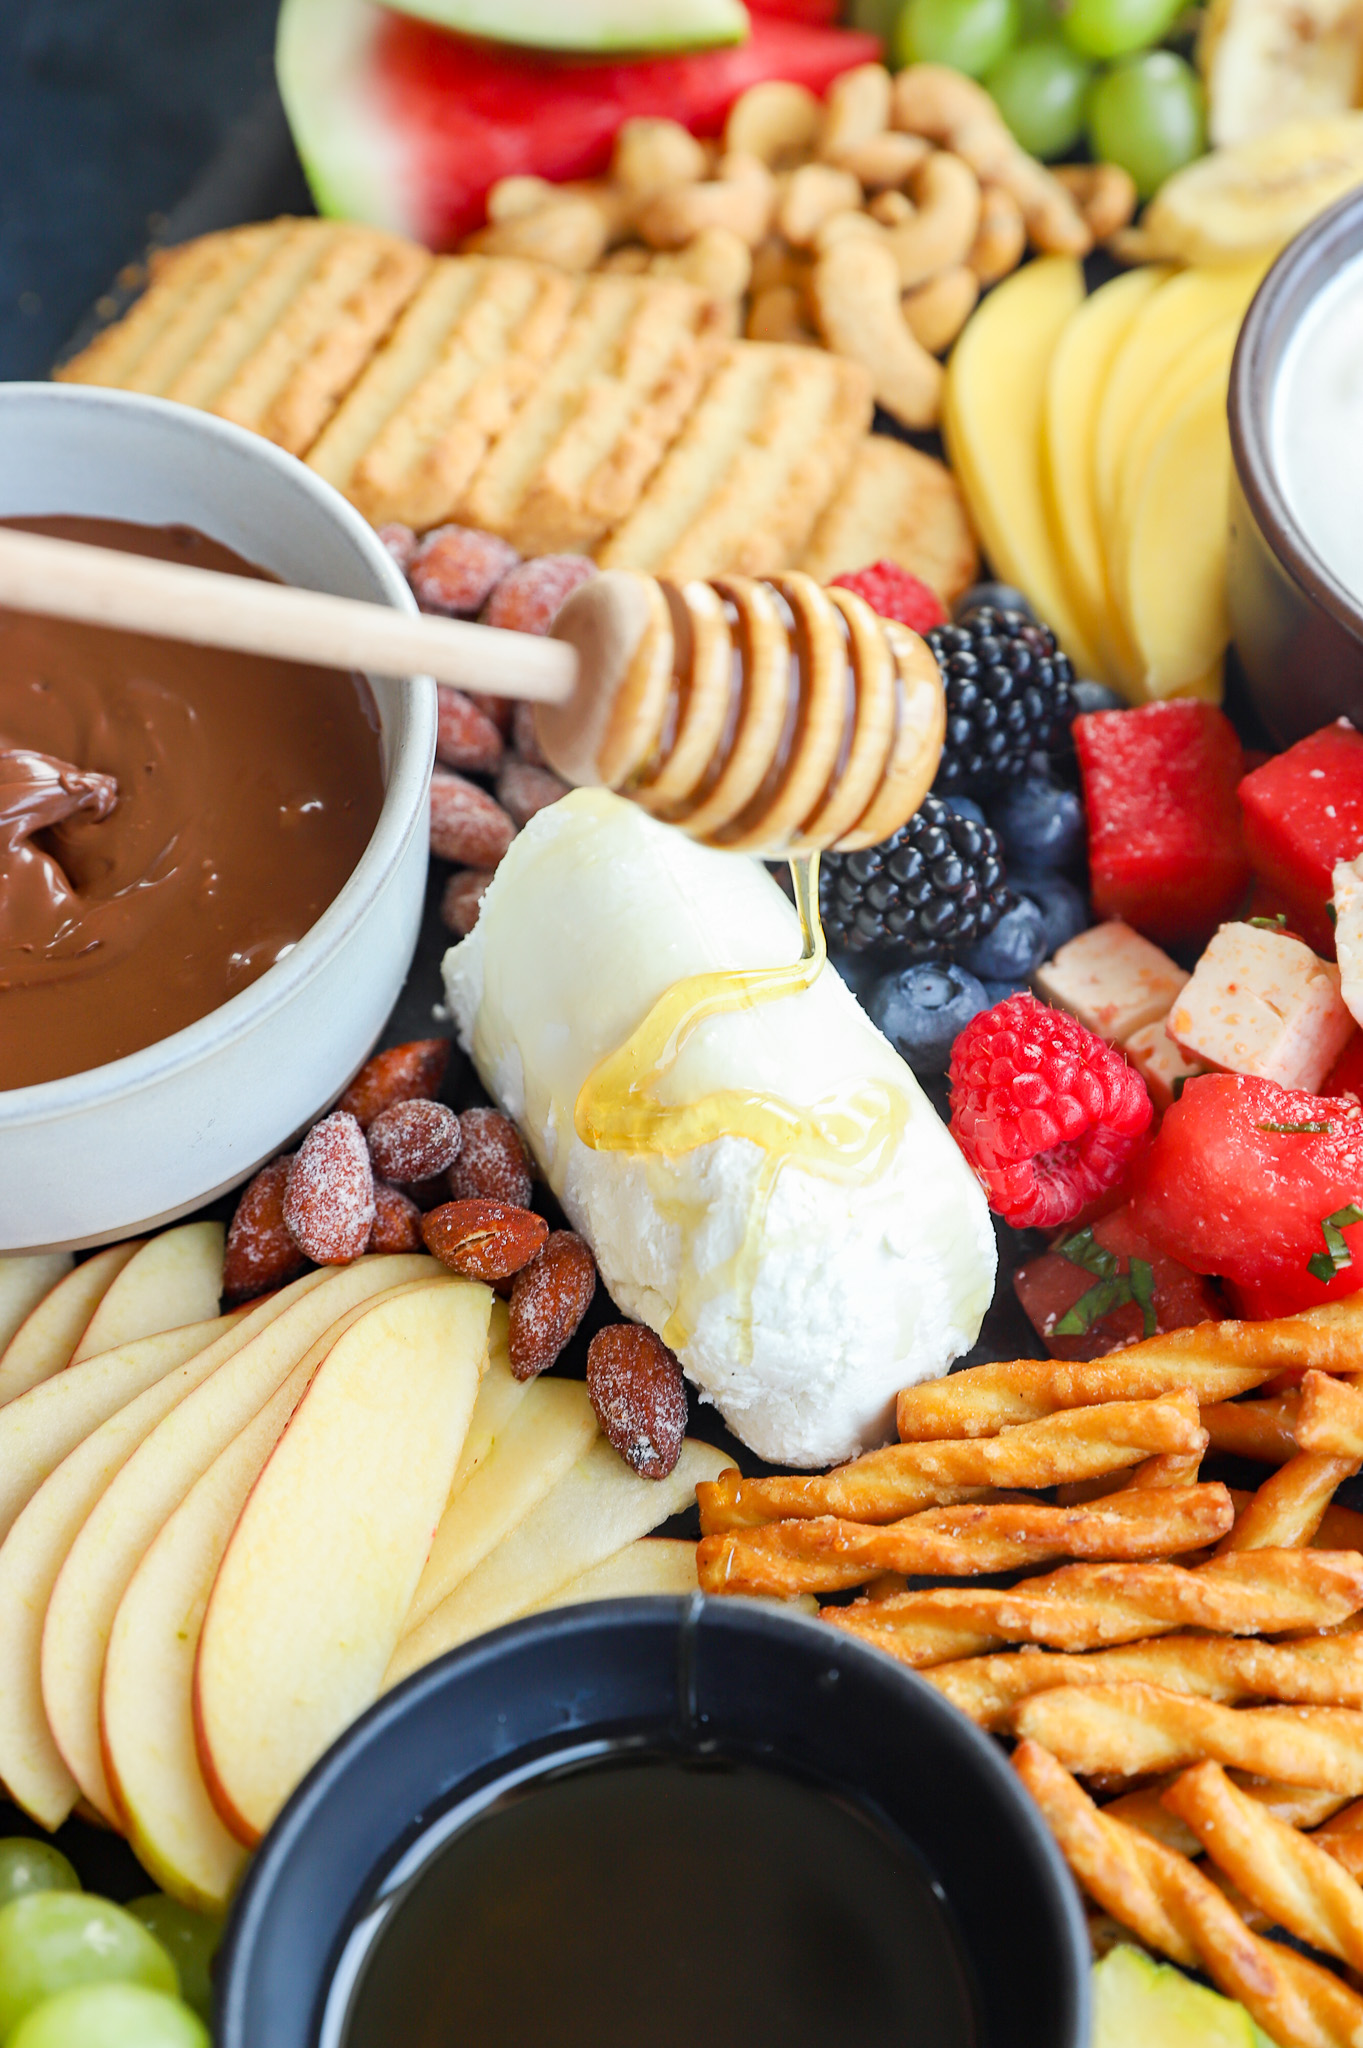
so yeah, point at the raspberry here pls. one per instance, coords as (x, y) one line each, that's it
(1047, 1114)
(895, 594)
(457, 568)
(529, 597)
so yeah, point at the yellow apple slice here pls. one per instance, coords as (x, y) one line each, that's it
(39, 1428)
(655, 1564)
(549, 1431)
(152, 1484)
(147, 1692)
(1176, 561)
(309, 1599)
(35, 1549)
(593, 1512)
(1078, 368)
(173, 1279)
(993, 405)
(49, 1334)
(499, 1396)
(25, 1277)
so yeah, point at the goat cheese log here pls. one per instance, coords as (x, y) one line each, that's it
(802, 1272)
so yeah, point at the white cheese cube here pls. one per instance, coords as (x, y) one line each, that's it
(1347, 883)
(1112, 980)
(1160, 1063)
(1261, 1003)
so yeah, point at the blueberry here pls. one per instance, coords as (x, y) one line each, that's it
(1001, 597)
(1016, 945)
(1042, 827)
(1062, 906)
(1095, 697)
(999, 991)
(963, 806)
(923, 1009)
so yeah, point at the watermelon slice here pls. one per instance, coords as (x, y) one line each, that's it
(405, 126)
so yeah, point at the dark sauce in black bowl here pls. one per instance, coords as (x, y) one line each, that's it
(658, 1901)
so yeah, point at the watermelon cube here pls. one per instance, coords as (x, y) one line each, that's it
(1262, 1185)
(1303, 811)
(1165, 848)
(1084, 1297)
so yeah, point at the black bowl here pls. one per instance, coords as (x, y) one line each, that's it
(755, 1682)
(1297, 630)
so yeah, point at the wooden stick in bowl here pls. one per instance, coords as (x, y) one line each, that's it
(99, 586)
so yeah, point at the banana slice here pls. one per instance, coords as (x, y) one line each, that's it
(1252, 199)
(1270, 61)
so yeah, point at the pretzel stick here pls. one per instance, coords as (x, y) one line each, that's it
(1330, 1419)
(1340, 1529)
(1327, 1671)
(1278, 1869)
(1173, 1908)
(885, 1485)
(1289, 1508)
(1132, 1728)
(825, 1554)
(1217, 1360)
(1087, 1606)
(1253, 1429)
(1171, 1468)
(1296, 1806)
(1342, 1838)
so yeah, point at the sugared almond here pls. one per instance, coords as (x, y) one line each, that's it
(401, 1074)
(492, 1163)
(397, 1221)
(483, 1240)
(467, 826)
(548, 1301)
(260, 1253)
(414, 1140)
(329, 1197)
(637, 1390)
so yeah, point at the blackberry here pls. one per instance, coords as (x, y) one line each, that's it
(1008, 696)
(935, 885)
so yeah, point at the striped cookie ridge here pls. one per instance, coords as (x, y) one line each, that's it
(410, 436)
(896, 504)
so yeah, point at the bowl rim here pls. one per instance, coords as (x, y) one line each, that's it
(357, 1751)
(401, 813)
(1309, 264)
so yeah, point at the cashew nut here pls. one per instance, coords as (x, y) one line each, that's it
(847, 227)
(1054, 223)
(856, 298)
(716, 261)
(856, 108)
(813, 195)
(774, 262)
(1104, 193)
(632, 259)
(509, 198)
(742, 197)
(885, 160)
(651, 155)
(939, 233)
(778, 314)
(932, 100)
(777, 121)
(891, 209)
(1001, 240)
(938, 310)
(570, 232)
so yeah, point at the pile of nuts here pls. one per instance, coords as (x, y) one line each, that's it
(391, 1169)
(867, 222)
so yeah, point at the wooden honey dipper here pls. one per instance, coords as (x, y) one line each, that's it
(768, 717)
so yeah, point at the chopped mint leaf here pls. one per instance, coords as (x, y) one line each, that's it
(1143, 1293)
(1323, 1266)
(1180, 1084)
(1083, 1249)
(1090, 1308)
(1112, 1288)
(1271, 924)
(1291, 1129)
(1332, 914)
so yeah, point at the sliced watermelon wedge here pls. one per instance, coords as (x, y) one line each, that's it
(405, 126)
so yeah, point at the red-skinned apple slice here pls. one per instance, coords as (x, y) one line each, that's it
(156, 1478)
(49, 1334)
(310, 1597)
(171, 1280)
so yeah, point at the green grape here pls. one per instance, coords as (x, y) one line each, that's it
(111, 2016)
(1146, 114)
(970, 35)
(1116, 28)
(877, 17)
(1037, 21)
(1040, 89)
(54, 1941)
(190, 1937)
(27, 1866)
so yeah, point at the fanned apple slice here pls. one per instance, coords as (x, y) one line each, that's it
(500, 1394)
(544, 1437)
(36, 1547)
(152, 1484)
(25, 1278)
(320, 1570)
(653, 1564)
(147, 1693)
(171, 1280)
(593, 1512)
(49, 1334)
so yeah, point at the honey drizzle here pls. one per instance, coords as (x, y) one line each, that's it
(842, 1137)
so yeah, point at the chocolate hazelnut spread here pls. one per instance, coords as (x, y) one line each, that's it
(172, 819)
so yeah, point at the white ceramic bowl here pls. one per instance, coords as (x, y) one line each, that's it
(100, 1155)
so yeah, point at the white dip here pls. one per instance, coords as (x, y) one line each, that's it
(1317, 426)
